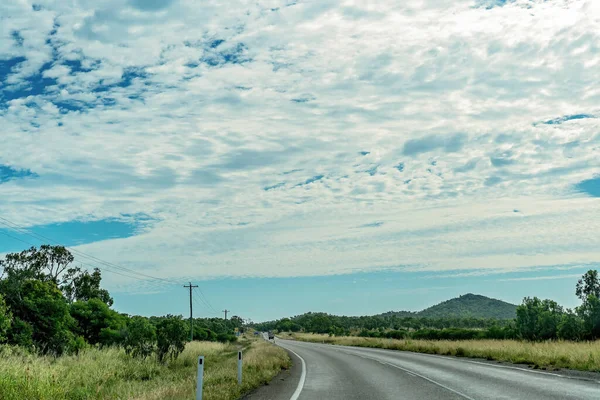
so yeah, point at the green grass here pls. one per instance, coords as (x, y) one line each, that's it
(111, 374)
(584, 356)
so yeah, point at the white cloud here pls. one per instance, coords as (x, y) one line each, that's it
(190, 130)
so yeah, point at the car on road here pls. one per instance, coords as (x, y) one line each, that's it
(271, 336)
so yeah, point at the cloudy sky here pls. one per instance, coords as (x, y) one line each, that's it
(287, 156)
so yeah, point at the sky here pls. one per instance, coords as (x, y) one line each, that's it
(351, 157)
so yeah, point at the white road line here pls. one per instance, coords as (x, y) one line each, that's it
(432, 381)
(546, 373)
(420, 376)
(296, 394)
(456, 359)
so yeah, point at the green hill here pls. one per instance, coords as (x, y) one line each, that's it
(467, 305)
(471, 305)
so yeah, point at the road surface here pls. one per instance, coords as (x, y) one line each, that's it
(335, 372)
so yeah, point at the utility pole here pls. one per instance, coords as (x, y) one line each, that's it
(190, 286)
(226, 311)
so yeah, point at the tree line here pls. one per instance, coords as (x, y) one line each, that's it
(536, 320)
(51, 307)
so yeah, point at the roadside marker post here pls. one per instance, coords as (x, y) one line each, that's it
(200, 383)
(239, 367)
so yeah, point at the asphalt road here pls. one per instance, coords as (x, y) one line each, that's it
(345, 373)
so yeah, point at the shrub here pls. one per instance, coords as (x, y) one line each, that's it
(172, 334)
(94, 316)
(139, 337)
(226, 338)
(5, 320)
(570, 327)
(77, 345)
(396, 334)
(47, 312)
(21, 333)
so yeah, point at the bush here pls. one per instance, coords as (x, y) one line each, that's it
(45, 309)
(21, 333)
(5, 320)
(570, 327)
(397, 334)
(113, 337)
(501, 332)
(77, 345)
(139, 337)
(448, 334)
(200, 333)
(172, 333)
(226, 338)
(93, 316)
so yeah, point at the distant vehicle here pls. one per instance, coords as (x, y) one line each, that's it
(271, 336)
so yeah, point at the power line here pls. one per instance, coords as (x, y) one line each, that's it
(90, 266)
(201, 302)
(42, 238)
(108, 266)
(24, 231)
(31, 244)
(205, 300)
(203, 305)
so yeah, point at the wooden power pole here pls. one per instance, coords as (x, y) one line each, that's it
(190, 286)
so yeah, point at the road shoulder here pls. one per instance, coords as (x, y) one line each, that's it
(283, 386)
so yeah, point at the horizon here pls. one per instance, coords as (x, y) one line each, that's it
(287, 155)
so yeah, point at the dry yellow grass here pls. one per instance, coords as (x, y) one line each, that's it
(111, 374)
(583, 356)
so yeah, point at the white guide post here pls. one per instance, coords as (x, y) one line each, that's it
(200, 378)
(239, 367)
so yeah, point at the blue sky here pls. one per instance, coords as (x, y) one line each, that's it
(362, 157)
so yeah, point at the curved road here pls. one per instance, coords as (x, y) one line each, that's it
(346, 373)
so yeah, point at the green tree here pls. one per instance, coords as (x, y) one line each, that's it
(139, 337)
(49, 264)
(93, 317)
(45, 309)
(21, 333)
(570, 327)
(538, 319)
(172, 334)
(588, 285)
(200, 333)
(321, 323)
(82, 286)
(46, 263)
(5, 320)
(589, 311)
(236, 321)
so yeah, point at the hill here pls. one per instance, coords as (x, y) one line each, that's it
(467, 305)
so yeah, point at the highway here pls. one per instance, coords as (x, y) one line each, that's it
(336, 372)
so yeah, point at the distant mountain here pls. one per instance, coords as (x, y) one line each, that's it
(467, 305)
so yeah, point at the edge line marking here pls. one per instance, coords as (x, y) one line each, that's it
(296, 394)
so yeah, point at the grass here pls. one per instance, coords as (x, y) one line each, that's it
(584, 356)
(111, 374)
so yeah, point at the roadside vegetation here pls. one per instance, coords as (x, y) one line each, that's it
(584, 356)
(48, 306)
(60, 339)
(110, 373)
